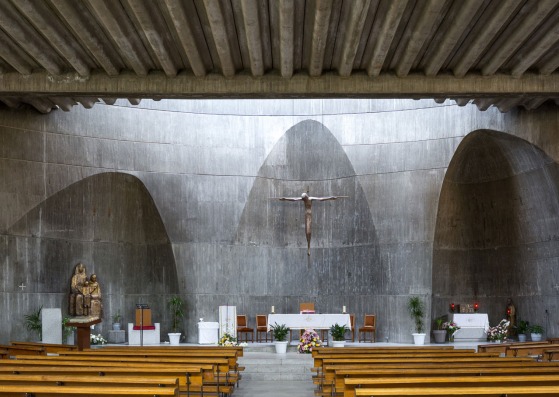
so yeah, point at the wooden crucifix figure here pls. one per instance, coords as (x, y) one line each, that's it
(307, 200)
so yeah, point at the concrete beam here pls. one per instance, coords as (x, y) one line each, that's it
(321, 23)
(386, 35)
(329, 85)
(286, 39)
(117, 23)
(185, 35)
(88, 33)
(153, 31)
(253, 36)
(468, 9)
(44, 21)
(524, 29)
(422, 30)
(479, 43)
(352, 36)
(217, 22)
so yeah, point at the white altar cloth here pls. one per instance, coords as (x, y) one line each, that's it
(306, 321)
(473, 327)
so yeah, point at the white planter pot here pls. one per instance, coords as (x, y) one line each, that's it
(174, 338)
(536, 337)
(419, 339)
(116, 326)
(522, 337)
(281, 347)
(338, 343)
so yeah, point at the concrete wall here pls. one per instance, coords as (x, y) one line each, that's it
(205, 175)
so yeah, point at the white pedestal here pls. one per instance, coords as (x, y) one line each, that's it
(208, 333)
(473, 327)
(151, 336)
(51, 322)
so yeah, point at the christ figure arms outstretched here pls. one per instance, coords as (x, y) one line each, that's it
(307, 200)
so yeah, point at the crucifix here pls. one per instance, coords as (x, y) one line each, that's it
(307, 201)
(22, 286)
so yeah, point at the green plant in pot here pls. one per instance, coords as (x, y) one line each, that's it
(280, 334)
(33, 322)
(338, 334)
(116, 321)
(536, 332)
(176, 307)
(417, 312)
(439, 332)
(521, 329)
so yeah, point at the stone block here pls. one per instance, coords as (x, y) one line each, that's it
(117, 336)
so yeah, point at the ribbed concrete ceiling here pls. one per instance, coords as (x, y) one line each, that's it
(57, 53)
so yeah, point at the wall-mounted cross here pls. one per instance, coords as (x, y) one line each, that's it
(22, 286)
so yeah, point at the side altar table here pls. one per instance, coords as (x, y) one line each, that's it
(473, 327)
(306, 321)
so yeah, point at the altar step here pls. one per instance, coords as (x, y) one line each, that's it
(270, 366)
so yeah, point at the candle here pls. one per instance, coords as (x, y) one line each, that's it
(343, 309)
(273, 309)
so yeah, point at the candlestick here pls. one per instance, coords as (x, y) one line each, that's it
(343, 309)
(273, 309)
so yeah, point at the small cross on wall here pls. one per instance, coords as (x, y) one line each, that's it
(22, 286)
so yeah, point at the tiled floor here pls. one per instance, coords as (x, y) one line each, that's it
(283, 388)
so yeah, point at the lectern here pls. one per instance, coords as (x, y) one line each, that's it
(83, 325)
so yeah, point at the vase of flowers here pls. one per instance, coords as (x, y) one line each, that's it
(450, 327)
(499, 332)
(97, 339)
(309, 340)
(227, 340)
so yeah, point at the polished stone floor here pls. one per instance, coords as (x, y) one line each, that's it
(283, 388)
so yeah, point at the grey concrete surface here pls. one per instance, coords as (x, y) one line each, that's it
(176, 197)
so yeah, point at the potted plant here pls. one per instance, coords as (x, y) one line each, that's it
(417, 311)
(280, 334)
(176, 306)
(499, 332)
(536, 332)
(338, 334)
(67, 332)
(439, 333)
(116, 321)
(521, 329)
(33, 322)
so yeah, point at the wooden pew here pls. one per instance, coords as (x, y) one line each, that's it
(86, 391)
(351, 384)
(532, 350)
(459, 391)
(391, 349)
(47, 347)
(343, 374)
(238, 349)
(551, 354)
(13, 351)
(222, 381)
(191, 379)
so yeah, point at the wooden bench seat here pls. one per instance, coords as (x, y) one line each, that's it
(459, 391)
(351, 384)
(13, 351)
(192, 379)
(86, 391)
(47, 347)
(533, 350)
(393, 349)
(238, 349)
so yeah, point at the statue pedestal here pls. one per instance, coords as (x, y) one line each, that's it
(83, 325)
(117, 336)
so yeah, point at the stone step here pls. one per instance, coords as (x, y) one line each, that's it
(272, 366)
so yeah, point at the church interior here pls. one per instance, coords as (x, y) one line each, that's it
(151, 141)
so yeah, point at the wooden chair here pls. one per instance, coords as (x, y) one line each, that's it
(243, 328)
(352, 324)
(369, 326)
(262, 327)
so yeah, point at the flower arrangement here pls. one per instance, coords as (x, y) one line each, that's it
(451, 327)
(308, 341)
(97, 339)
(227, 340)
(499, 332)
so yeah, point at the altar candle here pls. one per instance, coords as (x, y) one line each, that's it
(273, 309)
(343, 309)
